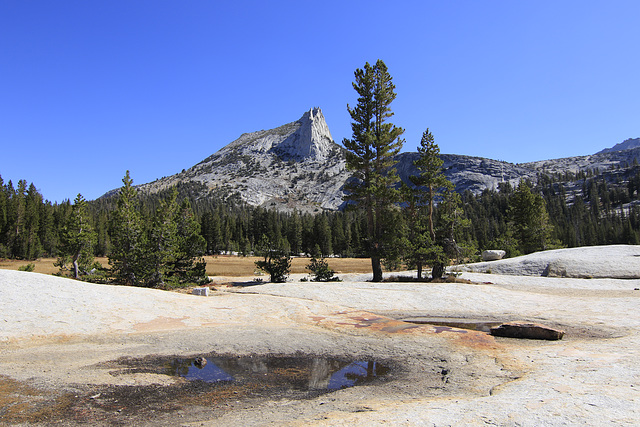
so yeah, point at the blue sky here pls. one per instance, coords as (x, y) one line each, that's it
(89, 89)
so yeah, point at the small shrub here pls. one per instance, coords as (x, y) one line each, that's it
(29, 267)
(277, 264)
(321, 270)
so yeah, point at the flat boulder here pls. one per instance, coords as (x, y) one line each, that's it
(533, 331)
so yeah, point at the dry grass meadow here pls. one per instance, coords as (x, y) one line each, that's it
(221, 265)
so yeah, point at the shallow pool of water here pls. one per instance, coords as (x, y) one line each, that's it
(300, 373)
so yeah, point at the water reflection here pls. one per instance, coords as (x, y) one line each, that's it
(299, 373)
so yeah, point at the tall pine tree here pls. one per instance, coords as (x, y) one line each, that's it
(128, 241)
(429, 184)
(370, 158)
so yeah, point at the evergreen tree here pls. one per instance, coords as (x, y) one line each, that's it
(128, 240)
(17, 212)
(429, 184)
(210, 226)
(162, 242)
(189, 265)
(295, 233)
(49, 233)
(78, 238)
(451, 222)
(370, 155)
(431, 181)
(31, 237)
(529, 219)
(322, 233)
(4, 219)
(417, 244)
(276, 262)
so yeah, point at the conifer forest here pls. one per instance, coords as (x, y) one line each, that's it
(597, 213)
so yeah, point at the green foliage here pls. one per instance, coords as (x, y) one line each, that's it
(321, 271)
(529, 220)
(78, 239)
(162, 244)
(430, 182)
(27, 267)
(188, 264)
(428, 242)
(370, 157)
(276, 262)
(128, 238)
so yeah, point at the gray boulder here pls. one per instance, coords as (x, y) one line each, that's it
(493, 255)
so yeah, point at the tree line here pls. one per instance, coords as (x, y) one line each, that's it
(601, 213)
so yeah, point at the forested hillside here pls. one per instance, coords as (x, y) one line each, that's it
(584, 209)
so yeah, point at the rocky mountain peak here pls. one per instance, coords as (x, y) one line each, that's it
(310, 140)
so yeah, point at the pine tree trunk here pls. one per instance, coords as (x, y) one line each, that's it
(76, 274)
(437, 271)
(376, 266)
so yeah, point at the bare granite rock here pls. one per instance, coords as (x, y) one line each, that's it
(615, 262)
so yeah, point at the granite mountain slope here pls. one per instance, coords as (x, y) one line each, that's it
(299, 166)
(294, 166)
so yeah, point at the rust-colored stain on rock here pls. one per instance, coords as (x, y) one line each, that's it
(161, 323)
(371, 322)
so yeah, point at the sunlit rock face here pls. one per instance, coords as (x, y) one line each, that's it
(294, 166)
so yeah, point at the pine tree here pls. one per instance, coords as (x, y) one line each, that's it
(128, 240)
(4, 219)
(33, 202)
(451, 222)
(276, 262)
(189, 265)
(529, 219)
(78, 238)
(322, 233)
(431, 181)
(162, 242)
(295, 233)
(429, 185)
(370, 157)
(17, 236)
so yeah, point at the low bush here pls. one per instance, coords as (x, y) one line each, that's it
(322, 272)
(28, 267)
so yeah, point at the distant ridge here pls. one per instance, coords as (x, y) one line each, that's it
(627, 144)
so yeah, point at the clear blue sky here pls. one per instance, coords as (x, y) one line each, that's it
(89, 89)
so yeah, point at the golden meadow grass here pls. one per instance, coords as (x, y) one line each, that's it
(221, 265)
